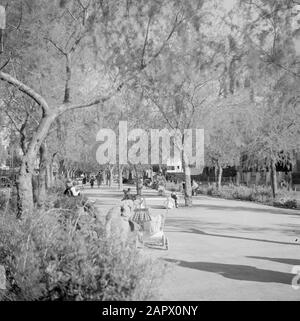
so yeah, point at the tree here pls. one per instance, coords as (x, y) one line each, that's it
(3, 154)
(187, 80)
(225, 141)
(273, 65)
(107, 38)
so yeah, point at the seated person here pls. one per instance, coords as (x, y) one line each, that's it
(74, 191)
(140, 202)
(71, 189)
(68, 188)
(169, 203)
(127, 195)
(127, 207)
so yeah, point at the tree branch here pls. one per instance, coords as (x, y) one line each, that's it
(101, 99)
(26, 90)
(175, 25)
(145, 43)
(56, 46)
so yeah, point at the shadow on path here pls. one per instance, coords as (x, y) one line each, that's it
(195, 231)
(158, 207)
(100, 195)
(238, 272)
(190, 225)
(275, 259)
(269, 210)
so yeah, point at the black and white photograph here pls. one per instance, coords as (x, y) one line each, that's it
(149, 152)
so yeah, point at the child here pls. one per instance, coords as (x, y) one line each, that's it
(175, 198)
(169, 203)
(127, 195)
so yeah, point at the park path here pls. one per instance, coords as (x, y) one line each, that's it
(223, 249)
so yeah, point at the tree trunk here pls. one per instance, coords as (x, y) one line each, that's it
(104, 177)
(215, 173)
(188, 184)
(151, 174)
(138, 180)
(42, 176)
(239, 175)
(49, 178)
(35, 188)
(111, 176)
(24, 190)
(273, 179)
(120, 175)
(220, 172)
(139, 185)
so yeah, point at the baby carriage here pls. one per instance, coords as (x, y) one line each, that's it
(151, 228)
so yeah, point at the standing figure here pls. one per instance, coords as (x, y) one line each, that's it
(194, 187)
(175, 198)
(92, 181)
(84, 181)
(99, 179)
(161, 182)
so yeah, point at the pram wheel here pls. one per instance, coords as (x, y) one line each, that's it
(139, 241)
(165, 243)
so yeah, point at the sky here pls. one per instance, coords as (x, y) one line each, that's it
(228, 4)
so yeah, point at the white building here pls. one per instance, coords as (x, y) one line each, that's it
(174, 165)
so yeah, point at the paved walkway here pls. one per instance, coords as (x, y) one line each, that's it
(223, 249)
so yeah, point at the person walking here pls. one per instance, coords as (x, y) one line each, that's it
(194, 187)
(99, 179)
(92, 181)
(84, 181)
(175, 198)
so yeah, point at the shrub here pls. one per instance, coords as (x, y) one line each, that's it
(210, 190)
(262, 194)
(202, 190)
(3, 200)
(59, 186)
(63, 254)
(242, 193)
(285, 202)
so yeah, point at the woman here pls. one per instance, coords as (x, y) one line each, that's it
(99, 179)
(83, 181)
(74, 191)
(92, 181)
